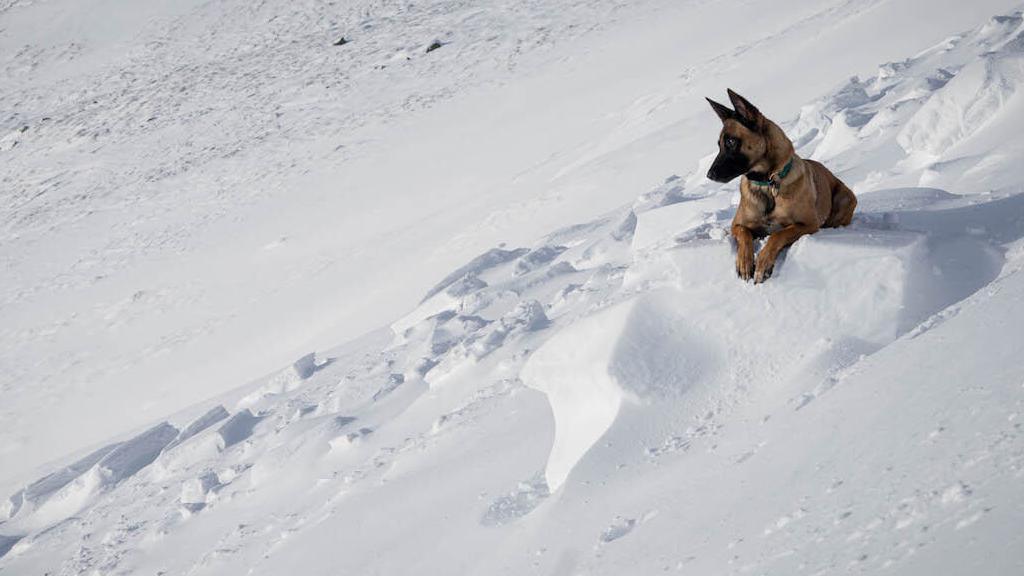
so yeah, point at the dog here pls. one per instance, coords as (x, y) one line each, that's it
(782, 195)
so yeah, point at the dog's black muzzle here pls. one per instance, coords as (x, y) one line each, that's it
(727, 167)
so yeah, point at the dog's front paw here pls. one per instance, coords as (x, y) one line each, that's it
(745, 266)
(765, 265)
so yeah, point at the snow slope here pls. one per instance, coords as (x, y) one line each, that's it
(208, 190)
(610, 398)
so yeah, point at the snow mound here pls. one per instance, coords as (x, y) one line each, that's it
(940, 118)
(967, 102)
(863, 285)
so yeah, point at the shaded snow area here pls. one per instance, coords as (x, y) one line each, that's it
(607, 398)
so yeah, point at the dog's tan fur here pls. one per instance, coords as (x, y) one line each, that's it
(808, 198)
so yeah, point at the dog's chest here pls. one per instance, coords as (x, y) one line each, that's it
(769, 207)
(762, 201)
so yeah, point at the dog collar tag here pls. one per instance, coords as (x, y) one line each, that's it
(774, 182)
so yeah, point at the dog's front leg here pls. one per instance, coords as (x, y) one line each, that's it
(776, 242)
(744, 251)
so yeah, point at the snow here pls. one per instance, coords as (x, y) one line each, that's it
(209, 198)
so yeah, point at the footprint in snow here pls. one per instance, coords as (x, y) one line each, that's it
(518, 503)
(619, 528)
(622, 526)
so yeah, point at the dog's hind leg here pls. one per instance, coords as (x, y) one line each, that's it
(843, 205)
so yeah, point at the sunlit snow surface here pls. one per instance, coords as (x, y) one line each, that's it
(606, 398)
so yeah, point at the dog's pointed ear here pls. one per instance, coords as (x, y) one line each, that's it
(749, 113)
(723, 111)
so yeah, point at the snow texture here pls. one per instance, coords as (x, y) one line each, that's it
(590, 390)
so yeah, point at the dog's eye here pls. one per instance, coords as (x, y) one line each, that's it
(731, 143)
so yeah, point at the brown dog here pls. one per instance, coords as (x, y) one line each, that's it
(780, 193)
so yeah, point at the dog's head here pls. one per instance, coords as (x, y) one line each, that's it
(742, 143)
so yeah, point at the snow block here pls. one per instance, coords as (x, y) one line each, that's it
(526, 317)
(305, 367)
(394, 381)
(490, 259)
(668, 346)
(343, 441)
(41, 489)
(670, 192)
(661, 227)
(449, 332)
(8, 542)
(286, 380)
(238, 428)
(11, 505)
(208, 419)
(518, 503)
(195, 492)
(135, 454)
(625, 228)
(340, 422)
(465, 286)
(537, 258)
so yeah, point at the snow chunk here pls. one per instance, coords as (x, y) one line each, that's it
(136, 453)
(238, 427)
(342, 440)
(286, 380)
(537, 258)
(619, 528)
(518, 503)
(671, 192)
(658, 227)
(305, 367)
(966, 103)
(466, 285)
(490, 259)
(525, 317)
(211, 417)
(394, 381)
(8, 542)
(195, 493)
(41, 489)
(625, 228)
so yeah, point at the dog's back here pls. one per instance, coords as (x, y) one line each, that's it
(835, 208)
